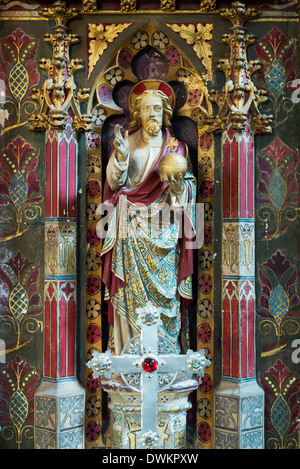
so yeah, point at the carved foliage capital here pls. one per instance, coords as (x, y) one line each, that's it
(239, 14)
(239, 100)
(58, 93)
(60, 13)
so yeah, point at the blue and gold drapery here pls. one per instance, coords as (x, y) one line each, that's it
(146, 259)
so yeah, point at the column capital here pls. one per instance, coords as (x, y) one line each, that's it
(239, 14)
(239, 100)
(60, 13)
(58, 94)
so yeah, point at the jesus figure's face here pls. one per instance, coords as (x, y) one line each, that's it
(151, 114)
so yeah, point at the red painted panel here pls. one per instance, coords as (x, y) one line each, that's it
(251, 331)
(234, 186)
(226, 336)
(48, 179)
(226, 180)
(250, 180)
(47, 334)
(62, 337)
(244, 348)
(71, 337)
(54, 188)
(72, 179)
(63, 179)
(235, 338)
(243, 180)
(53, 367)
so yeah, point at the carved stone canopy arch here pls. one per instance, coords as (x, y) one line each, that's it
(157, 56)
(152, 52)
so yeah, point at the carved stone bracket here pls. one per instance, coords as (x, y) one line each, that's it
(239, 98)
(58, 94)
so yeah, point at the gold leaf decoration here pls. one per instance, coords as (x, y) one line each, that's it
(89, 5)
(101, 36)
(198, 37)
(128, 5)
(168, 5)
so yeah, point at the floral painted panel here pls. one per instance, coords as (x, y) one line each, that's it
(279, 303)
(277, 239)
(18, 76)
(20, 189)
(281, 387)
(19, 279)
(18, 382)
(278, 189)
(276, 52)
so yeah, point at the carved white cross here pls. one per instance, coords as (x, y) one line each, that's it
(150, 364)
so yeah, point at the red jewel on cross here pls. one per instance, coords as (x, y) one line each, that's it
(149, 364)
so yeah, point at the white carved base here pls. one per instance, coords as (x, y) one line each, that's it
(239, 415)
(59, 415)
(125, 412)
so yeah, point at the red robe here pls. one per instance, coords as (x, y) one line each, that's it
(150, 189)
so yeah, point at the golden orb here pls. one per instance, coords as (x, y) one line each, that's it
(172, 163)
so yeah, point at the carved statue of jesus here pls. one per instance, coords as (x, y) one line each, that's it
(145, 261)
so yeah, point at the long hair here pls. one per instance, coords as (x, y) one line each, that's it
(167, 109)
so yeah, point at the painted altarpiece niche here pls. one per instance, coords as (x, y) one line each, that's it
(119, 48)
(151, 53)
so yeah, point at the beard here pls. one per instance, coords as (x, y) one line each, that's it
(152, 127)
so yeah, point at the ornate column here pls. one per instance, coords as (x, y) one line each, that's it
(60, 400)
(239, 401)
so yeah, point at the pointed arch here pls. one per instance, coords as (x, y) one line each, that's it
(152, 51)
